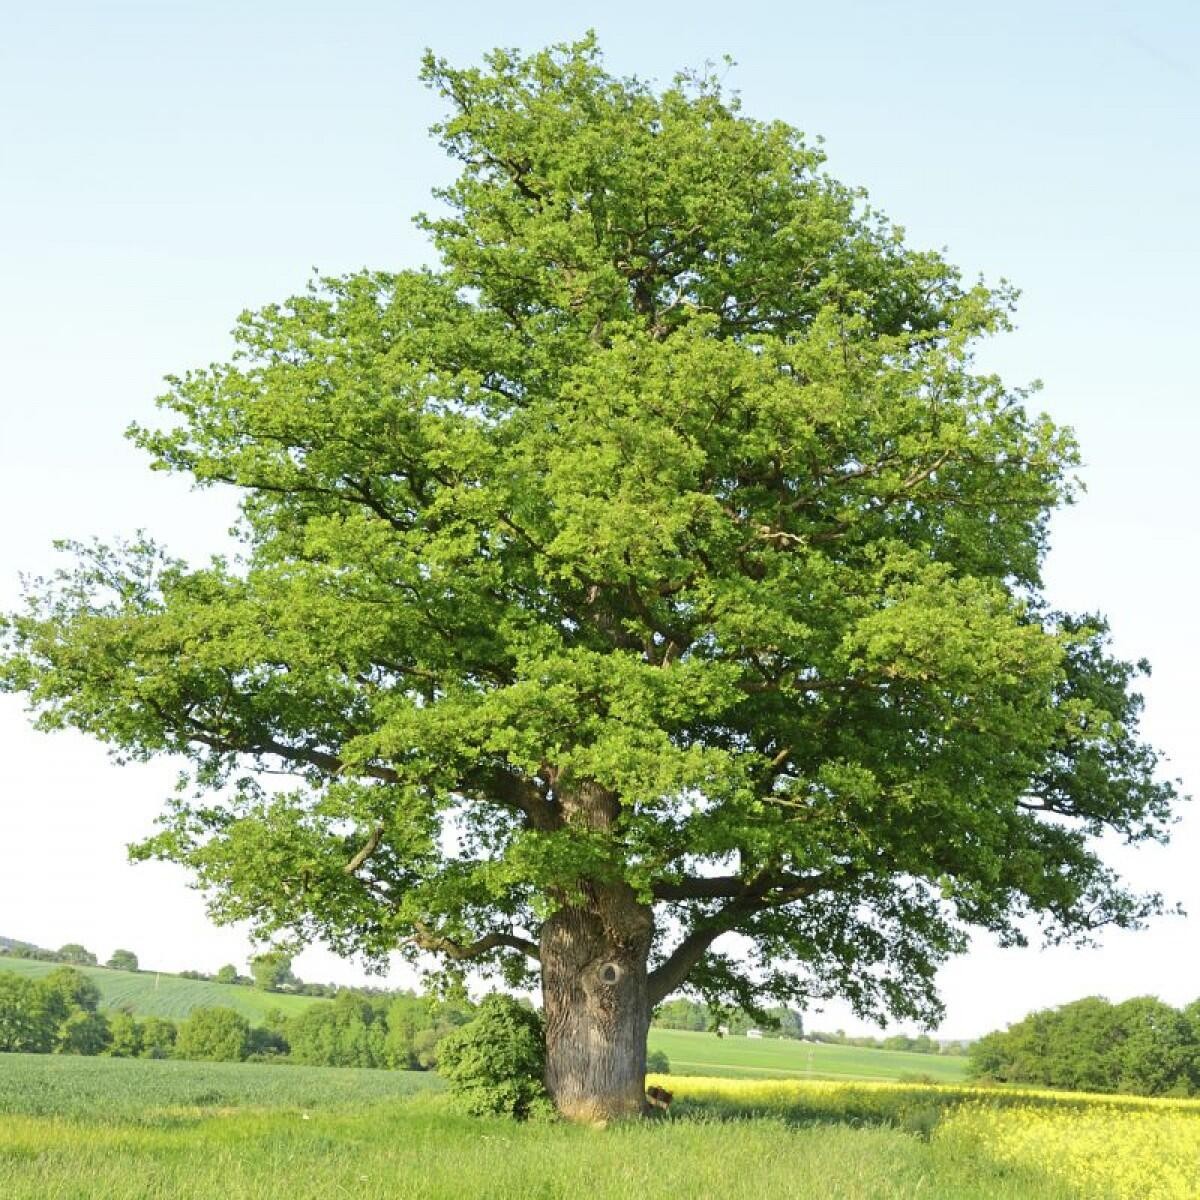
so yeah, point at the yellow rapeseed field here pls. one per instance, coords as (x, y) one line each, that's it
(1106, 1147)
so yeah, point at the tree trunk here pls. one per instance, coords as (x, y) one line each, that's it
(596, 1006)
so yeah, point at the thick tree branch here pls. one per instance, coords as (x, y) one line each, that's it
(722, 887)
(299, 755)
(506, 788)
(748, 898)
(427, 939)
(498, 786)
(710, 887)
(674, 970)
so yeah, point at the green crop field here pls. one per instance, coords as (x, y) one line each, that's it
(150, 994)
(78, 1128)
(781, 1058)
(114, 1090)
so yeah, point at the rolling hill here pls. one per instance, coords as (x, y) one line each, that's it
(782, 1058)
(150, 993)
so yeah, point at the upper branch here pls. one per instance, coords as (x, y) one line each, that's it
(368, 848)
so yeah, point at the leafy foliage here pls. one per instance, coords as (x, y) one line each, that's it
(1142, 1046)
(23, 1023)
(657, 1063)
(494, 1064)
(664, 537)
(123, 960)
(157, 1037)
(124, 1036)
(56, 1013)
(213, 1035)
(271, 970)
(76, 955)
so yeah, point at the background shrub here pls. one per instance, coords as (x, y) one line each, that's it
(213, 1035)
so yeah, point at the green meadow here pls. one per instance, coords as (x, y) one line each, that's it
(81, 1129)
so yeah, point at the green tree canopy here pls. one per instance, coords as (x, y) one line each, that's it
(76, 955)
(350, 1031)
(58, 1012)
(271, 970)
(124, 1035)
(123, 960)
(658, 565)
(25, 1027)
(1142, 1045)
(213, 1035)
(157, 1037)
(66, 990)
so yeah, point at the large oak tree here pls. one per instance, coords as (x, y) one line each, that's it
(657, 567)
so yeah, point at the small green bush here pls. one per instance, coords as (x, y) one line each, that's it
(213, 1035)
(158, 1037)
(657, 1063)
(494, 1064)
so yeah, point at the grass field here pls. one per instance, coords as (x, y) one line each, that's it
(82, 1129)
(780, 1058)
(73, 1128)
(149, 994)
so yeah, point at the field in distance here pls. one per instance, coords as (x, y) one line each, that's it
(152, 994)
(782, 1058)
(147, 993)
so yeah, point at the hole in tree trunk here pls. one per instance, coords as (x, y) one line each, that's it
(610, 973)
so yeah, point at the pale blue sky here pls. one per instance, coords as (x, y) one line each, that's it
(164, 165)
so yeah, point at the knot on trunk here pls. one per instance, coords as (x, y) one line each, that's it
(602, 981)
(609, 972)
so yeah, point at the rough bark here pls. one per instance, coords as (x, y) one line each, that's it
(596, 1005)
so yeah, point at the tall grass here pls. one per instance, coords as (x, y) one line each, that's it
(72, 1128)
(126, 1129)
(418, 1150)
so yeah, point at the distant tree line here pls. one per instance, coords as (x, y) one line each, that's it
(270, 971)
(922, 1043)
(781, 1022)
(683, 1013)
(72, 954)
(59, 1014)
(1141, 1046)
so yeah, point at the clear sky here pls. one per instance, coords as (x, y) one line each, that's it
(164, 165)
